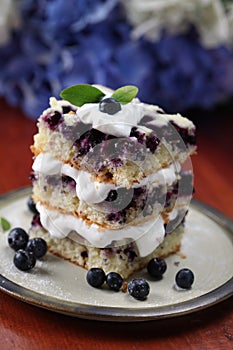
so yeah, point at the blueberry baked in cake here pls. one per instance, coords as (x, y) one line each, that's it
(109, 180)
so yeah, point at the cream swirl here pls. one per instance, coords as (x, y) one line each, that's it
(119, 124)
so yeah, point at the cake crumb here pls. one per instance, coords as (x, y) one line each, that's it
(124, 287)
(182, 255)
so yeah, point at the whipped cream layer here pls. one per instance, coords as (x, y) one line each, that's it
(147, 236)
(93, 192)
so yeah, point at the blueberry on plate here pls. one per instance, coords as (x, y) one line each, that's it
(24, 260)
(96, 277)
(156, 267)
(31, 205)
(109, 105)
(139, 288)
(17, 238)
(37, 246)
(184, 278)
(114, 281)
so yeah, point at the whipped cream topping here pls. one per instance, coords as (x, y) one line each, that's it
(147, 235)
(119, 124)
(93, 192)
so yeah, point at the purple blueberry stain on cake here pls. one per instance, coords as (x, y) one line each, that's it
(171, 195)
(84, 254)
(88, 140)
(36, 220)
(75, 131)
(129, 149)
(104, 151)
(130, 253)
(134, 198)
(53, 119)
(187, 137)
(117, 217)
(53, 180)
(33, 177)
(62, 181)
(123, 252)
(67, 109)
(116, 162)
(100, 152)
(139, 135)
(68, 182)
(172, 133)
(151, 141)
(182, 188)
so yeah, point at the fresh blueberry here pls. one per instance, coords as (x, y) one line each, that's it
(31, 205)
(184, 278)
(96, 277)
(24, 260)
(114, 281)
(156, 267)
(17, 238)
(139, 288)
(109, 105)
(37, 246)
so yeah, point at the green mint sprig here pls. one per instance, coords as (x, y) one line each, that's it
(4, 224)
(125, 94)
(80, 94)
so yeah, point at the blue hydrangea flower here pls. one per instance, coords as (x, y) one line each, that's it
(82, 41)
(189, 75)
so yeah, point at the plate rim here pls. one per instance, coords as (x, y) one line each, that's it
(104, 313)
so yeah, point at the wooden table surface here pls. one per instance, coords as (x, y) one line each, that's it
(23, 326)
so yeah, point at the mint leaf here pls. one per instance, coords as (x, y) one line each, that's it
(5, 225)
(125, 94)
(80, 94)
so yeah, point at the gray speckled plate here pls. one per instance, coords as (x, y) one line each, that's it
(60, 286)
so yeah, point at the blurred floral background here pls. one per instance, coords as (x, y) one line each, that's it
(178, 52)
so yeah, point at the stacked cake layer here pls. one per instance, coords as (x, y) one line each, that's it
(109, 183)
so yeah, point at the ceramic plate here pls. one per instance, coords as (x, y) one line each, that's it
(57, 285)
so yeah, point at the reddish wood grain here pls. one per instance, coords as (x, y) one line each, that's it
(16, 136)
(23, 326)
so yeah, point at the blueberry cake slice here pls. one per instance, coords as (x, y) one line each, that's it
(108, 178)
